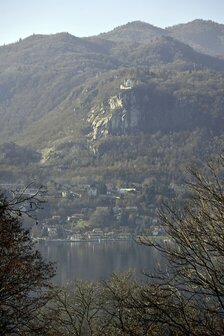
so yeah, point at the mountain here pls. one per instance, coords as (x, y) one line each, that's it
(38, 73)
(165, 50)
(136, 31)
(110, 106)
(204, 36)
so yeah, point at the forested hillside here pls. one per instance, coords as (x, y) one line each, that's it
(135, 103)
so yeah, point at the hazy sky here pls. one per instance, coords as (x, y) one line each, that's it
(21, 18)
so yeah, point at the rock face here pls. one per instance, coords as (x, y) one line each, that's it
(149, 109)
(138, 109)
(120, 114)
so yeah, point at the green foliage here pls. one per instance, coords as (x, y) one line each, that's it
(12, 154)
(101, 217)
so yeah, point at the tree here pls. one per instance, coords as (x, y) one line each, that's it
(112, 307)
(102, 216)
(188, 297)
(24, 276)
(74, 310)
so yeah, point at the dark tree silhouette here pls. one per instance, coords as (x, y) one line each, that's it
(24, 277)
(189, 294)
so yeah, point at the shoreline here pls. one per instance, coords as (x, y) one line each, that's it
(92, 240)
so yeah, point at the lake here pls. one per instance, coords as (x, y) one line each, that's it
(97, 260)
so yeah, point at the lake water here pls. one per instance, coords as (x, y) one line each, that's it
(97, 260)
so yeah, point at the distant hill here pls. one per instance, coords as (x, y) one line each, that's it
(165, 50)
(204, 36)
(136, 31)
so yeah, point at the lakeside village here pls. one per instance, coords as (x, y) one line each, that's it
(97, 212)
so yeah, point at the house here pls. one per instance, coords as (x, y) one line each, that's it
(77, 237)
(75, 217)
(109, 235)
(92, 191)
(127, 85)
(95, 236)
(98, 231)
(123, 191)
(70, 194)
(52, 232)
(56, 217)
(124, 236)
(64, 194)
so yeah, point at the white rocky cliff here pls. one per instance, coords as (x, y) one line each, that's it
(118, 115)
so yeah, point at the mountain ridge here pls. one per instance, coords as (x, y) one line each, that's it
(63, 94)
(139, 26)
(204, 35)
(48, 68)
(138, 31)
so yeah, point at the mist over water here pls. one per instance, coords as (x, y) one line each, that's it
(98, 260)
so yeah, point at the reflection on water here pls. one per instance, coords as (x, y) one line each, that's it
(97, 260)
